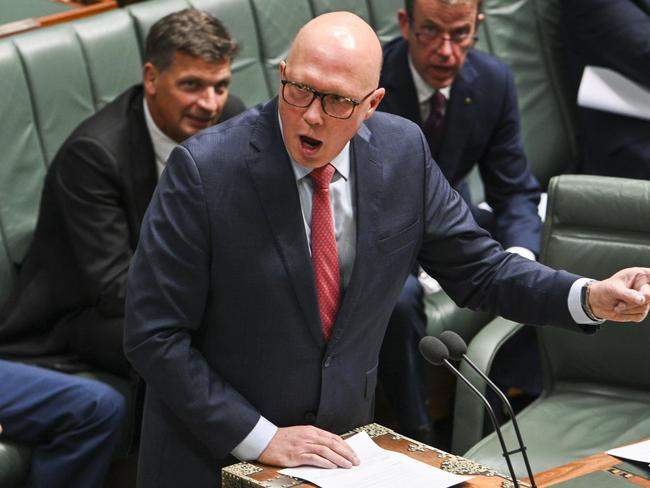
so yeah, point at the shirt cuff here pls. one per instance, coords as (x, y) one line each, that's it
(256, 441)
(575, 303)
(523, 252)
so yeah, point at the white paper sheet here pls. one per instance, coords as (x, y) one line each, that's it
(378, 468)
(639, 451)
(604, 89)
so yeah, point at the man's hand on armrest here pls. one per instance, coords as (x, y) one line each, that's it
(307, 445)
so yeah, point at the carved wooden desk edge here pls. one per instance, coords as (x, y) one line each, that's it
(255, 475)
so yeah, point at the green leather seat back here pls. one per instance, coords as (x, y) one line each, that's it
(597, 226)
(56, 74)
(359, 7)
(526, 34)
(109, 36)
(145, 14)
(278, 22)
(383, 16)
(22, 164)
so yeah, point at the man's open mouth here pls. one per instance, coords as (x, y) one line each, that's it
(310, 143)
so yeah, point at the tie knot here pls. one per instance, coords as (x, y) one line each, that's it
(437, 102)
(321, 177)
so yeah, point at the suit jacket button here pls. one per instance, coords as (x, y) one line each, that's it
(310, 417)
(328, 361)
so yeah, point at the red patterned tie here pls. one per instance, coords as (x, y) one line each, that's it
(324, 254)
(432, 127)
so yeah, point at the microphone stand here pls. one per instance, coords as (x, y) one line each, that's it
(504, 399)
(506, 453)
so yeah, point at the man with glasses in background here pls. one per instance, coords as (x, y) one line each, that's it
(465, 102)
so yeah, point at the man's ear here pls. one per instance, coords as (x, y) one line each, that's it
(149, 77)
(404, 25)
(375, 99)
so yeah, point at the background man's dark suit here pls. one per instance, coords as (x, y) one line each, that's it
(481, 127)
(222, 318)
(614, 34)
(72, 282)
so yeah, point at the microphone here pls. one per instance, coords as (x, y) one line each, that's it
(437, 353)
(457, 349)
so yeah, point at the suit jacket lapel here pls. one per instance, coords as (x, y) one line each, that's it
(459, 120)
(275, 183)
(367, 168)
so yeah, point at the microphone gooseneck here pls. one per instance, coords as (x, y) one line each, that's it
(437, 353)
(457, 349)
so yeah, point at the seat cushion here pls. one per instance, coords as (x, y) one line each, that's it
(573, 422)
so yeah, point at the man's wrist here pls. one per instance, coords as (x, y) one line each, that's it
(584, 301)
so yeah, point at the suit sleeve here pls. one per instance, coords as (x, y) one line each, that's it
(614, 34)
(474, 270)
(166, 300)
(510, 188)
(91, 199)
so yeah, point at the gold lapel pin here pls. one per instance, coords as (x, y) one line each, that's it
(468, 100)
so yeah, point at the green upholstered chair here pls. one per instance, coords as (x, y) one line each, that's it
(596, 387)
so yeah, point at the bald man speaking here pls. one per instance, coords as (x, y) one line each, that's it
(273, 253)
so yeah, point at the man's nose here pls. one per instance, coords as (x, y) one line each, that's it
(209, 100)
(446, 47)
(314, 113)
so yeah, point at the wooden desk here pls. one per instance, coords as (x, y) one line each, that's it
(255, 475)
(41, 13)
(597, 462)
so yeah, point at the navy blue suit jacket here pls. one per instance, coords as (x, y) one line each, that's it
(614, 34)
(481, 127)
(222, 318)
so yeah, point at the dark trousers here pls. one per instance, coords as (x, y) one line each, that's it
(70, 423)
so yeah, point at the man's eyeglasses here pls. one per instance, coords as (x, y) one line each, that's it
(433, 38)
(302, 96)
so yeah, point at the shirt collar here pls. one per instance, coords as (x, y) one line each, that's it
(422, 88)
(161, 142)
(341, 162)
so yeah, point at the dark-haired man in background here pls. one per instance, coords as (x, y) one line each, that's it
(71, 285)
(465, 102)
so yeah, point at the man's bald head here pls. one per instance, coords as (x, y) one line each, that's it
(340, 38)
(328, 86)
